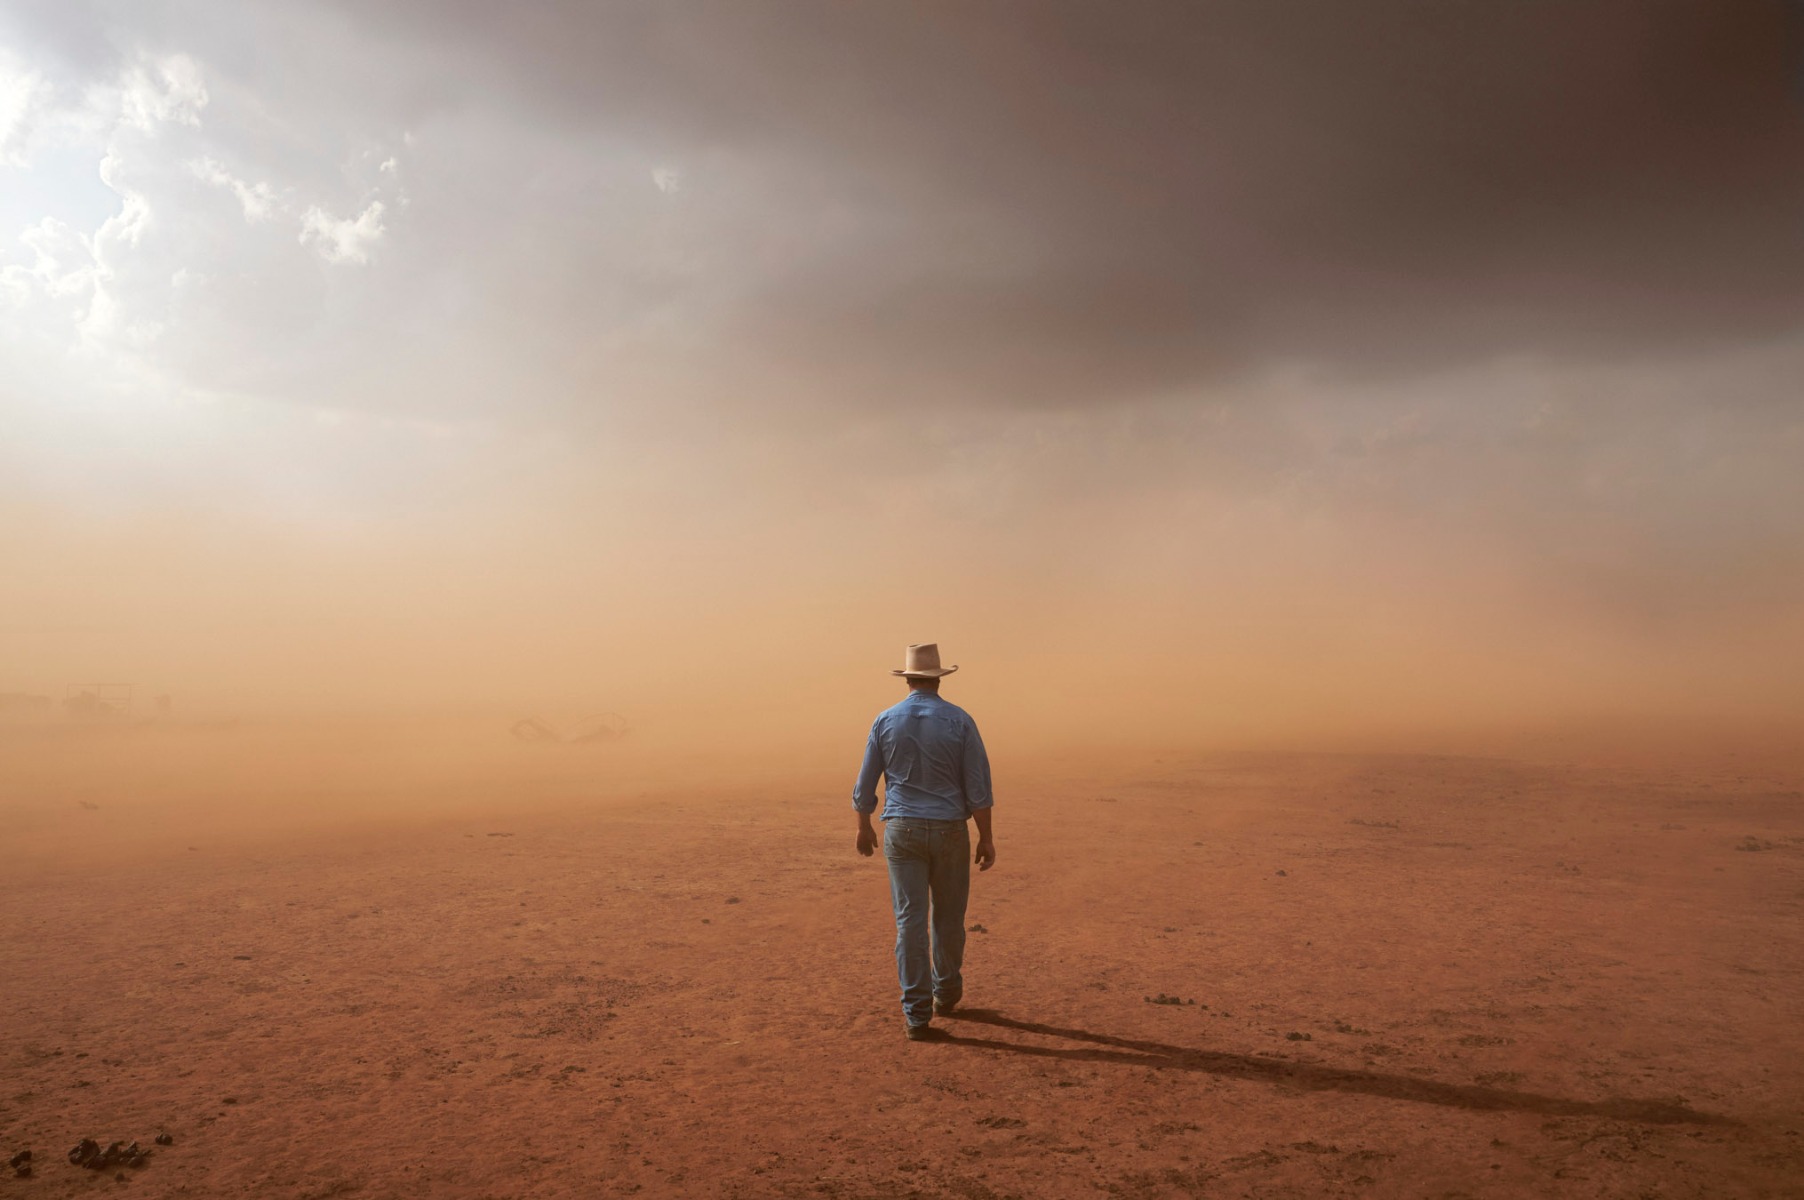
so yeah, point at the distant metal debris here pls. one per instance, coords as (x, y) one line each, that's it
(603, 727)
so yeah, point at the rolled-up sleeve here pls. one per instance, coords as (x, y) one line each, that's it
(977, 770)
(864, 792)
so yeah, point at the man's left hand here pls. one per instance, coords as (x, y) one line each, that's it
(986, 854)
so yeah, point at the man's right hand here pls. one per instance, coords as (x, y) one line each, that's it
(867, 841)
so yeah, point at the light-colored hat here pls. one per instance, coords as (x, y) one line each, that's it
(923, 662)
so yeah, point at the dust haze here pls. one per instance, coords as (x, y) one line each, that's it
(458, 459)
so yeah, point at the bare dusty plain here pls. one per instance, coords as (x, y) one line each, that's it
(535, 972)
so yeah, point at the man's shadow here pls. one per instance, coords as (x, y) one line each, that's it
(1102, 1048)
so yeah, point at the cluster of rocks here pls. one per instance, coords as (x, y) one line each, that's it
(92, 1155)
(88, 1153)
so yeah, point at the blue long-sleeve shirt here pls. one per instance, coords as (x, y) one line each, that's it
(933, 764)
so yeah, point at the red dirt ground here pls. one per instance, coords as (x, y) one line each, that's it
(1423, 977)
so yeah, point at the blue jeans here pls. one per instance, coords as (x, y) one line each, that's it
(929, 867)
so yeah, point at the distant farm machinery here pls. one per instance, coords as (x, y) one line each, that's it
(580, 731)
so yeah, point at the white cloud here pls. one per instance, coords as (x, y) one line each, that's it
(86, 290)
(62, 295)
(123, 229)
(257, 199)
(164, 90)
(62, 264)
(22, 92)
(110, 268)
(128, 224)
(346, 239)
(80, 283)
(669, 180)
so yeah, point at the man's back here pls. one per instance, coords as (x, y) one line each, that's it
(936, 780)
(932, 760)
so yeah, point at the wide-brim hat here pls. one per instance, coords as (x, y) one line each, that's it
(923, 662)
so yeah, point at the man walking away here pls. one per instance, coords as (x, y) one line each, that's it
(936, 775)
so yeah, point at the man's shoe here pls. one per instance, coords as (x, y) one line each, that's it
(943, 1008)
(920, 1033)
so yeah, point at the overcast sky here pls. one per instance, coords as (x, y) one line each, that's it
(1452, 348)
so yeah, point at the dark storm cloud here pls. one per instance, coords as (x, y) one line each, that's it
(1074, 201)
(1034, 203)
